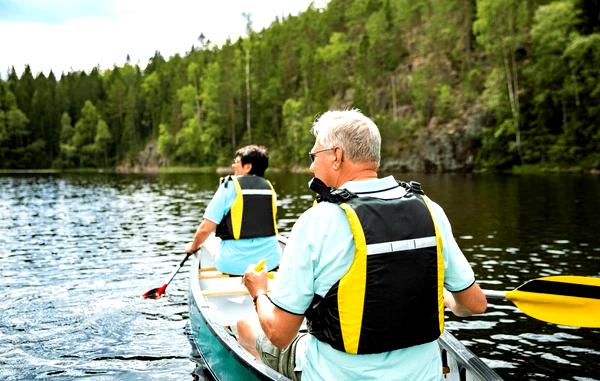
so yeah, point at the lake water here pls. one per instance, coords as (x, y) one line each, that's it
(78, 250)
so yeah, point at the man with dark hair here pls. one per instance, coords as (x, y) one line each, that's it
(243, 214)
(255, 155)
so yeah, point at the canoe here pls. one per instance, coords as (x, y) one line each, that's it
(217, 301)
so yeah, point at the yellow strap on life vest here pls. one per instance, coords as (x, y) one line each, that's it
(440, 266)
(352, 286)
(237, 209)
(274, 206)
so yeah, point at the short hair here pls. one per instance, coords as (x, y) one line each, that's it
(255, 155)
(350, 129)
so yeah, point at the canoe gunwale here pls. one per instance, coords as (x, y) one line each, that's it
(465, 358)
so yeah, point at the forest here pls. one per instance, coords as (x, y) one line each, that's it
(454, 85)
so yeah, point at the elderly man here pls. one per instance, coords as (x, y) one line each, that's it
(367, 267)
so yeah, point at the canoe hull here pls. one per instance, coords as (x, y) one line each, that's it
(215, 351)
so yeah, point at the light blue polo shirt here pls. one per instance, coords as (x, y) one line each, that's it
(235, 255)
(319, 252)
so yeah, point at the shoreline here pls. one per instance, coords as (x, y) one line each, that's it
(221, 170)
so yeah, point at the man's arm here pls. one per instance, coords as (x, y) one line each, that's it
(279, 326)
(467, 302)
(204, 229)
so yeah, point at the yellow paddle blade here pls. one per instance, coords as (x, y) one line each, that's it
(563, 299)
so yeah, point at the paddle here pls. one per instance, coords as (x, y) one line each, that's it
(259, 267)
(156, 293)
(563, 299)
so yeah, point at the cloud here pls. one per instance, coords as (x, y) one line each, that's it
(51, 11)
(105, 34)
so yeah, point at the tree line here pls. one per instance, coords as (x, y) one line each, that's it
(528, 69)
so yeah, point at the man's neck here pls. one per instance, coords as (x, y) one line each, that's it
(356, 172)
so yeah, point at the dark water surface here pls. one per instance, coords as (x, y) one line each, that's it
(77, 251)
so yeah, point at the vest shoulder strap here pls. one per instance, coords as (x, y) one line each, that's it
(412, 186)
(329, 194)
(225, 180)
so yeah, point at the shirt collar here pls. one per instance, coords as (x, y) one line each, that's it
(357, 186)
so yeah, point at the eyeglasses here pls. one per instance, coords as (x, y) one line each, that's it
(236, 161)
(313, 155)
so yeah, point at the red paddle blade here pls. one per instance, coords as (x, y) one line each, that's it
(155, 293)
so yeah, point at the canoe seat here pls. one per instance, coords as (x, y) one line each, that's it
(212, 273)
(222, 285)
(215, 283)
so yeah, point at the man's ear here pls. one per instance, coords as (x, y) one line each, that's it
(339, 156)
(247, 168)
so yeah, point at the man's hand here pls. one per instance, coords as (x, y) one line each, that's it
(467, 302)
(191, 249)
(255, 280)
(278, 325)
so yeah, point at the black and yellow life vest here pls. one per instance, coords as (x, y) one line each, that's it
(392, 295)
(253, 212)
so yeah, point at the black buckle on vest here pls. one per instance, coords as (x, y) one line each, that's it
(225, 180)
(329, 194)
(342, 195)
(412, 186)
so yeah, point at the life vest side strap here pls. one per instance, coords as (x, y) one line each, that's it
(274, 206)
(237, 208)
(440, 266)
(352, 286)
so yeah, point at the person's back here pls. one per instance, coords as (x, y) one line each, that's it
(243, 214)
(396, 313)
(394, 253)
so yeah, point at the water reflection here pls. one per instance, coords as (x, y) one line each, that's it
(77, 251)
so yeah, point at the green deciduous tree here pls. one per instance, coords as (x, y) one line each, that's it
(85, 134)
(501, 29)
(582, 88)
(102, 141)
(189, 139)
(166, 143)
(553, 28)
(67, 148)
(297, 139)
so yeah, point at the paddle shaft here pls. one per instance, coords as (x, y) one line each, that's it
(493, 294)
(156, 293)
(177, 269)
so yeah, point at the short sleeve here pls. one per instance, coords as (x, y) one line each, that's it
(458, 274)
(220, 204)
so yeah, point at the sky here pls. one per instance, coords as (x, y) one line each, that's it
(70, 35)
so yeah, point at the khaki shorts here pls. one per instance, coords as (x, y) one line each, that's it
(283, 361)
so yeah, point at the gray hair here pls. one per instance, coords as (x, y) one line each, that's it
(355, 133)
